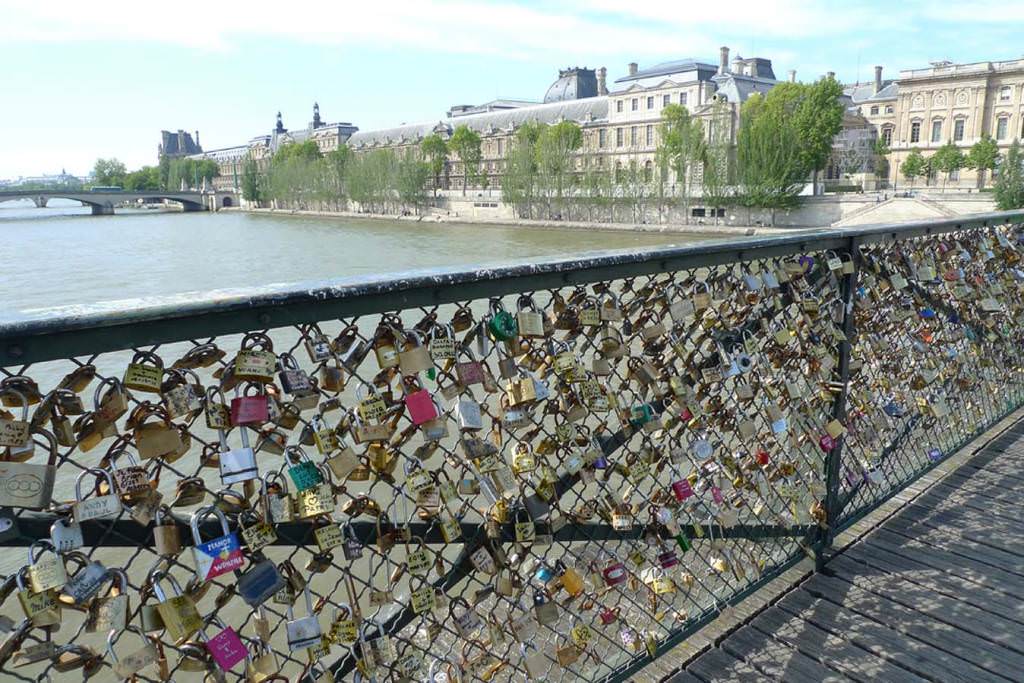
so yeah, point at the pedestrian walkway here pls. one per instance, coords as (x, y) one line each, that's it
(935, 593)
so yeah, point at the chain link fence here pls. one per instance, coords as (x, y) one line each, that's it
(555, 471)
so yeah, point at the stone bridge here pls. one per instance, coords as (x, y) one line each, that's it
(104, 201)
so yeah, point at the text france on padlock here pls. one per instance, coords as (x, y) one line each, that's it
(219, 556)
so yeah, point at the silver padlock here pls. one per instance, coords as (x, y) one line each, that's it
(468, 412)
(66, 535)
(100, 507)
(303, 632)
(85, 583)
(16, 434)
(238, 464)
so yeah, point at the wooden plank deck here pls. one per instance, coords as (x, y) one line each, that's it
(933, 593)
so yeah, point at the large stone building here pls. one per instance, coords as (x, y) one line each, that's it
(178, 144)
(924, 108)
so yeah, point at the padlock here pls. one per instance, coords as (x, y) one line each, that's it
(225, 646)
(259, 532)
(98, 507)
(220, 555)
(159, 439)
(128, 665)
(177, 612)
(15, 433)
(236, 464)
(182, 400)
(278, 506)
(303, 472)
(255, 360)
(81, 586)
(296, 383)
(251, 407)
(110, 611)
(468, 372)
(41, 608)
(144, 373)
(66, 535)
(130, 480)
(414, 356)
(352, 547)
(110, 404)
(305, 631)
(166, 535)
(385, 344)
(422, 406)
(28, 486)
(529, 321)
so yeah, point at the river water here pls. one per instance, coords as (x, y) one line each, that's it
(62, 257)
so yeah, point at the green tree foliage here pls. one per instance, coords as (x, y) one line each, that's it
(718, 169)
(681, 148)
(771, 163)
(556, 158)
(372, 180)
(252, 181)
(1009, 188)
(435, 151)
(109, 172)
(338, 164)
(521, 183)
(465, 142)
(914, 166)
(948, 159)
(144, 179)
(410, 180)
(192, 172)
(165, 169)
(984, 156)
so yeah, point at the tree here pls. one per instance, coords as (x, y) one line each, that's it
(1009, 189)
(146, 178)
(681, 148)
(881, 152)
(435, 151)
(716, 174)
(411, 176)
(338, 164)
(556, 155)
(191, 171)
(465, 142)
(109, 172)
(770, 161)
(947, 159)
(165, 168)
(914, 166)
(984, 156)
(252, 190)
(520, 184)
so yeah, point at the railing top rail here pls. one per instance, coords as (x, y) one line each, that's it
(61, 336)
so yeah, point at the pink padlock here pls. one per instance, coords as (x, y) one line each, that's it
(421, 407)
(227, 648)
(615, 573)
(827, 443)
(682, 489)
(250, 410)
(716, 494)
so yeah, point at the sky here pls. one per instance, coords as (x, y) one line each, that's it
(83, 80)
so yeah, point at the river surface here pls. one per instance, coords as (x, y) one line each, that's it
(64, 258)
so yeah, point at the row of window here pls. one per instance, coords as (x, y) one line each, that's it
(620, 136)
(1002, 130)
(634, 104)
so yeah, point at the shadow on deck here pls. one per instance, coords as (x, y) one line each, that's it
(933, 593)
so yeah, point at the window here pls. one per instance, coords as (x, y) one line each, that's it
(632, 135)
(874, 110)
(937, 130)
(958, 130)
(634, 104)
(915, 131)
(501, 147)
(650, 135)
(888, 109)
(601, 138)
(650, 102)
(618, 106)
(1002, 127)
(887, 136)
(682, 98)
(648, 172)
(1005, 93)
(618, 137)
(954, 174)
(666, 100)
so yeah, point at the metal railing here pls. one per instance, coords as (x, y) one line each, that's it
(558, 470)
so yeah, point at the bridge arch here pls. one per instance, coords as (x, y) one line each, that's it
(226, 203)
(104, 202)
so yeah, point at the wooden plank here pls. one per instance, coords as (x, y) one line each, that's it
(957, 641)
(921, 658)
(682, 677)
(962, 545)
(982, 597)
(776, 660)
(957, 613)
(833, 651)
(978, 572)
(717, 665)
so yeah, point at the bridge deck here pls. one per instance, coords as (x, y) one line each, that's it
(935, 593)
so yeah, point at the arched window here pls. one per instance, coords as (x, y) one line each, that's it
(648, 171)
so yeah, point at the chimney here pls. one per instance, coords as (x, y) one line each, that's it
(723, 60)
(632, 68)
(878, 79)
(792, 75)
(830, 74)
(198, 146)
(602, 81)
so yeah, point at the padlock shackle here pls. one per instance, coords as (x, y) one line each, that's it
(115, 635)
(112, 382)
(202, 513)
(96, 472)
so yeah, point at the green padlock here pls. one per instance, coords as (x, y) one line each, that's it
(502, 324)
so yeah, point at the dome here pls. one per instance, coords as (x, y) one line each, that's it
(572, 84)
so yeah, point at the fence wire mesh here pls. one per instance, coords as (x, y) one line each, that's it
(555, 483)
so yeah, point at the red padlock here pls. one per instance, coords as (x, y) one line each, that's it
(609, 615)
(682, 490)
(827, 443)
(716, 494)
(249, 410)
(762, 457)
(668, 559)
(615, 573)
(686, 415)
(421, 407)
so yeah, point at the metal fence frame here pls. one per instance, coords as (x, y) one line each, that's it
(35, 341)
